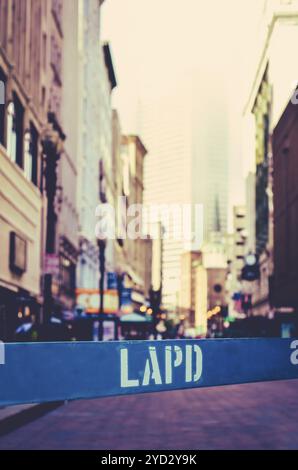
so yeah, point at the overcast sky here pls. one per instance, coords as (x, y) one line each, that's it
(157, 44)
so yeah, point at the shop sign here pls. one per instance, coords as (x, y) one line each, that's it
(51, 264)
(88, 300)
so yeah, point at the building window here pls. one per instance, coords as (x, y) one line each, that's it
(56, 59)
(34, 153)
(44, 51)
(57, 13)
(2, 92)
(27, 156)
(31, 154)
(15, 117)
(11, 138)
(43, 96)
(102, 183)
(19, 118)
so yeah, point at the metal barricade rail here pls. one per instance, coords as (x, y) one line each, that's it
(44, 372)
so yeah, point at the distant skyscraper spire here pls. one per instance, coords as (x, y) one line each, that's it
(217, 225)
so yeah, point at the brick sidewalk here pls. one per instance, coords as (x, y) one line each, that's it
(252, 416)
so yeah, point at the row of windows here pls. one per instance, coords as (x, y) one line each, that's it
(21, 144)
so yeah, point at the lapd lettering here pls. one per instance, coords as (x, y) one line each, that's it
(175, 357)
(294, 355)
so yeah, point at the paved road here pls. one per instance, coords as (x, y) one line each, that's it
(252, 416)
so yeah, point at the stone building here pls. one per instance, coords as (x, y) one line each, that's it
(38, 218)
(137, 251)
(30, 145)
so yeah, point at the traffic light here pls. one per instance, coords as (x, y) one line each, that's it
(251, 269)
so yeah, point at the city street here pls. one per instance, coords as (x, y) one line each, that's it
(250, 416)
(148, 226)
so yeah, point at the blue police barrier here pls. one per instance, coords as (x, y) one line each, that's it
(43, 372)
(2, 353)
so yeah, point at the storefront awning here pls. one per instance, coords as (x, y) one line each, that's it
(135, 318)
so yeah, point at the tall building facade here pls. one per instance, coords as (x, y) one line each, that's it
(106, 189)
(203, 286)
(186, 165)
(236, 243)
(96, 80)
(271, 90)
(215, 262)
(239, 240)
(210, 150)
(135, 258)
(118, 188)
(88, 139)
(68, 216)
(285, 279)
(188, 286)
(31, 137)
(165, 128)
(21, 199)
(138, 251)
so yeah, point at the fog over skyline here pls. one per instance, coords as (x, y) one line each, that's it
(159, 48)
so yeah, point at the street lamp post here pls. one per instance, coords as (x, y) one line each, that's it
(155, 301)
(52, 149)
(102, 248)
